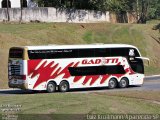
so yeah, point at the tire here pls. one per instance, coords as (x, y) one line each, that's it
(112, 83)
(123, 83)
(64, 86)
(51, 87)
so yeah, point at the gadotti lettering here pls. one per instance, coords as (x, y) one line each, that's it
(98, 61)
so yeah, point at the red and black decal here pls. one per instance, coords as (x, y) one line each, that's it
(52, 70)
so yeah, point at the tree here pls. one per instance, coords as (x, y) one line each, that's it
(8, 16)
(142, 8)
(21, 1)
(98, 5)
(153, 9)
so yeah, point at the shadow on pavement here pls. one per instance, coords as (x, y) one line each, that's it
(99, 89)
(5, 92)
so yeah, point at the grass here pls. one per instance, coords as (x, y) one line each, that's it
(84, 103)
(152, 70)
(142, 36)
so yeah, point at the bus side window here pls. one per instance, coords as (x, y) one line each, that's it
(119, 52)
(86, 53)
(70, 53)
(102, 52)
(54, 54)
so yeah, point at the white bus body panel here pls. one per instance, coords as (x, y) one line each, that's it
(48, 65)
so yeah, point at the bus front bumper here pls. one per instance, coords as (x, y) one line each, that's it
(21, 86)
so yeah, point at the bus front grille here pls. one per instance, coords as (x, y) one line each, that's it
(15, 69)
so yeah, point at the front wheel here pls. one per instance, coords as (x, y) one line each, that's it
(51, 87)
(112, 83)
(64, 86)
(123, 83)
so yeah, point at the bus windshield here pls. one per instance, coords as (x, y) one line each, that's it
(137, 66)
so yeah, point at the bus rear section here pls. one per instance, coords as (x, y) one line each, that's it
(16, 68)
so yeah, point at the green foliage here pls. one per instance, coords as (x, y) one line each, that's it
(120, 5)
(103, 5)
(112, 5)
(145, 9)
(154, 9)
(98, 5)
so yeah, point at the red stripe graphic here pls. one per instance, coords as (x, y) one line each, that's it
(45, 72)
(52, 71)
(104, 78)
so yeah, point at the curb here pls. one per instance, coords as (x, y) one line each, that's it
(152, 76)
(9, 89)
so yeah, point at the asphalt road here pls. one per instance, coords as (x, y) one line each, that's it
(150, 83)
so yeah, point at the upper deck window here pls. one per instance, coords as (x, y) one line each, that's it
(124, 52)
(83, 52)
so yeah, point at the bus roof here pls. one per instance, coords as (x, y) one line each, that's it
(78, 46)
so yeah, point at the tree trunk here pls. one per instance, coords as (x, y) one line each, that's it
(137, 9)
(143, 14)
(71, 3)
(20, 21)
(8, 16)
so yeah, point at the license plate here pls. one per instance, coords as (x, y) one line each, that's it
(14, 82)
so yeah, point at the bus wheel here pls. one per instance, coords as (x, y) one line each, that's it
(64, 86)
(123, 83)
(112, 83)
(51, 87)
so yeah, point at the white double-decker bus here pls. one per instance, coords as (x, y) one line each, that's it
(65, 67)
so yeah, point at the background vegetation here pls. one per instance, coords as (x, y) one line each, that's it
(145, 9)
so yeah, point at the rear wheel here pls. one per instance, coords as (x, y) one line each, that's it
(64, 86)
(51, 87)
(123, 83)
(112, 83)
